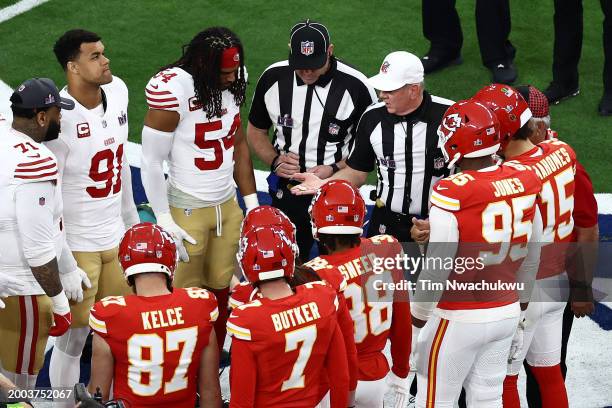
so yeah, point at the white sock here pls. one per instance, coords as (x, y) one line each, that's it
(22, 381)
(64, 371)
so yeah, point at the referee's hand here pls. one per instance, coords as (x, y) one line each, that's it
(287, 165)
(420, 230)
(310, 183)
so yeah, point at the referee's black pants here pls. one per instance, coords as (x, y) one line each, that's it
(296, 208)
(568, 42)
(533, 392)
(385, 221)
(441, 26)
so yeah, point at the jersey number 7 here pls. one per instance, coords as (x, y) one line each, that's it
(306, 336)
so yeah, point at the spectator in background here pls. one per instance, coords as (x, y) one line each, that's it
(585, 235)
(441, 26)
(566, 55)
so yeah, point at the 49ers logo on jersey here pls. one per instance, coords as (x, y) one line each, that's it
(83, 130)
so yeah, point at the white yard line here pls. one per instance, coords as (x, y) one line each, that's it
(18, 8)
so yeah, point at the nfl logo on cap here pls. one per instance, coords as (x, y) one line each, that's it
(307, 47)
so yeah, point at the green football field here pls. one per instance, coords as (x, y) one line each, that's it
(140, 36)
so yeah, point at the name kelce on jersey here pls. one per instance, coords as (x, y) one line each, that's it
(162, 318)
(296, 316)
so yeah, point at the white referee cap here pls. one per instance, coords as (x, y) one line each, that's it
(398, 69)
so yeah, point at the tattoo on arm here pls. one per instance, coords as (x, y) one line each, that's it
(47, 276)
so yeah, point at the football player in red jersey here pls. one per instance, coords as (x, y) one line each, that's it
(158, 347)
(265, 216)
(468, 338)
(554, 163)
(337, 214)
(193, 123)
(283, 341)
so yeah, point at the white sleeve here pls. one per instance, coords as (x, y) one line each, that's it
(128, 207)
(34, 209)
(61, 150)
(156, 146)
(443, 239)
(528, 270)
(66, 262)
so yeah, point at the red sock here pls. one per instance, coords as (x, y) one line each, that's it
(552, 387)
(511, 397)
(220, 325)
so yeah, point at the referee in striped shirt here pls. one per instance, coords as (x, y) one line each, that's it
(399, 137)
(312, 102)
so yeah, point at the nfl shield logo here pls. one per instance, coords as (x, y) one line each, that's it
(333, 129)
(41, 201)
(439, 163)
(307, 47)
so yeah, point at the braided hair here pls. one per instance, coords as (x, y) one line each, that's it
(202, 59)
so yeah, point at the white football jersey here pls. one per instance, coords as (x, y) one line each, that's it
(91, 173)
(24, 161)
(202, 155)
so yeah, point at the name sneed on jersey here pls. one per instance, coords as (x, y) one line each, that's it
(358, 266)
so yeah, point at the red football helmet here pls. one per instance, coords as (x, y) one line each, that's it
(267, 253)
(145, 248)
(468, 129)
(337, 208)
(508, 105)
(266, 215)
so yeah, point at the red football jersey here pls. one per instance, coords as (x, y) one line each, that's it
(281, 347)
(378, 312)
(554, 162)
(244, 292)
(494, 208)
(157, 343)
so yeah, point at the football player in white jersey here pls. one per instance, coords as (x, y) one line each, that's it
(34, 260)
(96, 184)
(193, 122)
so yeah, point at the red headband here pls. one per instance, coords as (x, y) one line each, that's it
(230, 58)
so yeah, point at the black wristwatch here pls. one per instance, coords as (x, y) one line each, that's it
(335, 168)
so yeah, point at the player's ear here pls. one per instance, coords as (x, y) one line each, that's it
(41, 118)
(330, 50)
(72, 67)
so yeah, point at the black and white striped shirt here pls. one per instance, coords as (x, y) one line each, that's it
(405, 150)
(317, 122)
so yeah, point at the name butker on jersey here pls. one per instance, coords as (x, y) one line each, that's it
(288, 343)
(91, 175)
(202, 155)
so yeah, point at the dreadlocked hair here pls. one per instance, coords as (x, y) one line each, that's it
(202, 59)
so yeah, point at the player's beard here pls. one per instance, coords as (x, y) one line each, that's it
(53, 131)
